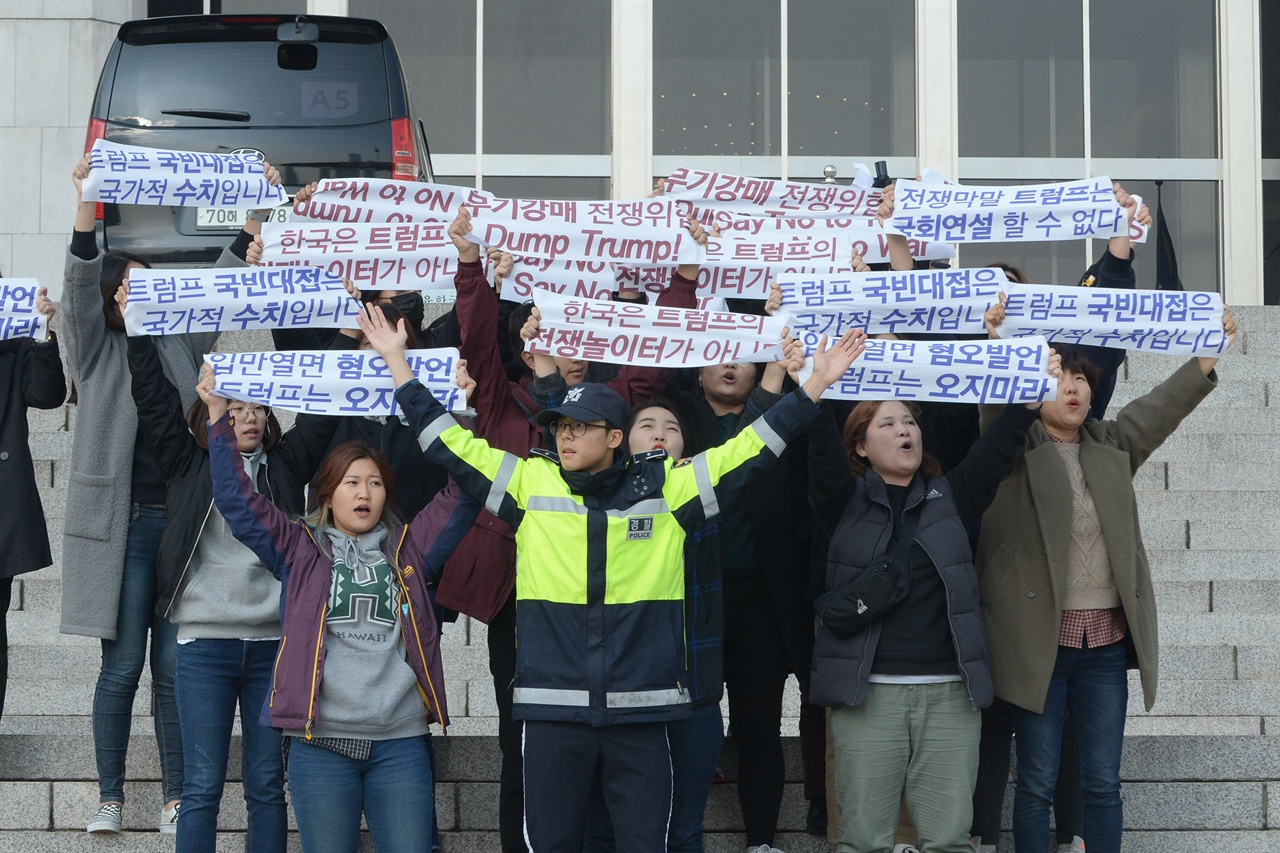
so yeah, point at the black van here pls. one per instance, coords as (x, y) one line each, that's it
(318, 97)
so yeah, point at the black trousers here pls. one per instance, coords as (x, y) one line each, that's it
(502, 666)
(755, 673)
(6, 598)
(993, 778)
(563, 762)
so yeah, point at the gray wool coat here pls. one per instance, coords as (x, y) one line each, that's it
(100, 485)
(1026, 533)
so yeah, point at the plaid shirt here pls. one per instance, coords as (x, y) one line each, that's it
(1100, 627)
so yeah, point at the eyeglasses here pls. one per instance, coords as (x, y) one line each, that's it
(577, 429)
(241, 411)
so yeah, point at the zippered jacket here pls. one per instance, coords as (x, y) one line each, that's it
(162, 421)
(600, 584)
(293, 552)
(856, 513)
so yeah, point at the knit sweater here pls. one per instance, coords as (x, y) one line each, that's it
(1091, 585)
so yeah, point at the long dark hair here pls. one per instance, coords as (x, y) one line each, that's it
(855, 430)
(115, 271)
(319, 512)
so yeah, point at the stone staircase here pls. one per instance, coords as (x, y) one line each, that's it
(1199, 769)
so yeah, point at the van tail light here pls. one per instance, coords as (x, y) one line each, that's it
(404, 160)
(97, 130)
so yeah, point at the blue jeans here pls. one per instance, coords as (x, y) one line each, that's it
(212, 677)
(695, 753)
(392, 787)
(122, 661)
(1092, 682)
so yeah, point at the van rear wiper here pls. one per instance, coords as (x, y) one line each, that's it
(217, 115)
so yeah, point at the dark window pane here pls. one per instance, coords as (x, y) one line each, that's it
(1021, 79)
(1153, 75)
(716, 77)
(848, 101)
(546, 77)
(1271, 242)
(1269, 36)
(554, 188)
(438, 54)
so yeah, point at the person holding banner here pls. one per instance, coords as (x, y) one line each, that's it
(506, 413)
(601, 587)
(1066, 587)
(358, 678)
(214, 589)
(30, 377)
(904, 675)
(116, 517)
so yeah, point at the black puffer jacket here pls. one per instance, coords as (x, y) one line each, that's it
(856, 513)
(282, 477)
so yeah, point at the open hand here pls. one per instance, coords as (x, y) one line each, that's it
(385, 339)
(830, 364)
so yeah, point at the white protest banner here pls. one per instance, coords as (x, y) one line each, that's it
(18, 315)
(332, 382)
(646, 231)
(1014, 371)
(585, 279)
(386, 200)
(385, 256)
(926, 301)
(780, 242)
(717, 191)
(128, 174)
(1187, 323)
(651, 336)
(179, 302)
(955, 213)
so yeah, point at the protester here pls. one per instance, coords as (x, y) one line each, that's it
(116, 516)
(1066, 587)
(226, 607)
(30, 377)
(595, 684)
(905, 690)
(361, 681)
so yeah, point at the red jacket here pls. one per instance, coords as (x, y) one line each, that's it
(481, 574)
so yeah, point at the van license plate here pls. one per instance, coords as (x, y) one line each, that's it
(229, 219)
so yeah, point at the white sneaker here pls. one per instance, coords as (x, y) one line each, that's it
(905, 848)
(763, 848)
(169, 819)
(1076, 846)
(107, 819)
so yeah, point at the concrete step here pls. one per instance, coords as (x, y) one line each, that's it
(1231, 393)
(64, 697)
(1196, 504)
(1214, 698)
(1204, 563)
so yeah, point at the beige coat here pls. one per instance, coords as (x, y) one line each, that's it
(1022, 553)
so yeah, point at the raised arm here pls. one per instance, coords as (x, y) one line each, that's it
(440, 526)
(84, 328)
(160, 417)
(831, 480)
(976, 479)
(43, 384)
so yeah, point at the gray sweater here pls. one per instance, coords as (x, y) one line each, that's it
(99, 488)
(228, 593)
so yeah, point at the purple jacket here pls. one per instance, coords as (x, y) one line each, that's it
(292, 552)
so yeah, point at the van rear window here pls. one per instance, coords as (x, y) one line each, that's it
(161, 85)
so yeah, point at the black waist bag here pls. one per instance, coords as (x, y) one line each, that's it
(855, 606)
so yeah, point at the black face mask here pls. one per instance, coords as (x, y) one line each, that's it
(412, 307)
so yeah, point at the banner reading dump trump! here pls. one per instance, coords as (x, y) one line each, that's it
(18, 315)
(1187, 323)
(129, 174)
(1014, 371)
(332, 382)
(179, 302)
(651, 336)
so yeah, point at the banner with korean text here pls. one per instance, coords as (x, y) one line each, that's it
(179, 302)
(383, 256)
(370, 200)
(1187, 323)
(1015, 371)
(939, 302)
(332, 382)
(956, 213)
(18, 315)
(129, 174)
(651, 336)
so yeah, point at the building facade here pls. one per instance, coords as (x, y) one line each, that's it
(597, 98)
